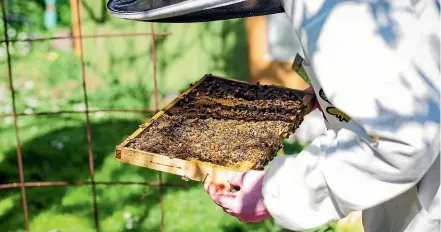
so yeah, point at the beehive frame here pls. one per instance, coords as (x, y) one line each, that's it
(189, 170)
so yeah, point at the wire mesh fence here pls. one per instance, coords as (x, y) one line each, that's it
(23, 185)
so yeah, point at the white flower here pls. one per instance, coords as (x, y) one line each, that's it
(29, 85)
(127, 215)
(22, 35)
(80, 107)
(28, 111)
(2, 52)
(8, 120)
(100, 114)
(31, 101)
(7, 108)
(3, 93)
(12, 32)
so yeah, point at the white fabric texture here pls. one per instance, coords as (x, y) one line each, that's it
(375, 68)
(281, 44)
(311, 127)
(283, 47)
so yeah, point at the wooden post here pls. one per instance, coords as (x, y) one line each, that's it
(75, 6)
(262, 70)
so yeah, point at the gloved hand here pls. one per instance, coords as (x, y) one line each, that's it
(247, 202)
(311, 100)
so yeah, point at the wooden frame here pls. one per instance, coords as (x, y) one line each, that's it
(189, 170)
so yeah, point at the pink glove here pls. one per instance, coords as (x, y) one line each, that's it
(247, 203)
(312, 100)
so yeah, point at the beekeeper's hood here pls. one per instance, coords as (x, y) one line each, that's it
(182, 11)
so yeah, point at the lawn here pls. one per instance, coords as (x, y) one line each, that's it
(118, 76)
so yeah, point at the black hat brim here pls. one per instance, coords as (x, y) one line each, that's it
(178, 11)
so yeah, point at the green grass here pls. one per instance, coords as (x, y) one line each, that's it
(121, 208)
(118, 75)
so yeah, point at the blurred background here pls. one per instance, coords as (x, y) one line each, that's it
(65, 147)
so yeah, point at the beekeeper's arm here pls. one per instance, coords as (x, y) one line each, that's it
(391, 90)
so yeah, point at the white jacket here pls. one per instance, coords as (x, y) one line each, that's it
(378, 62)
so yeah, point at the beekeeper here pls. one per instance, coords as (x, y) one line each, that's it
(375, 69)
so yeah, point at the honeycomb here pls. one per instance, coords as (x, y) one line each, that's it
(226, 123)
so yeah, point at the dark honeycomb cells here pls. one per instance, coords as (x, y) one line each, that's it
(225, 123)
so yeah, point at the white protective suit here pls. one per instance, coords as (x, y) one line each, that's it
(378, 62)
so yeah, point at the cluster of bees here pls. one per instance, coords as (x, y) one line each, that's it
(225, 123)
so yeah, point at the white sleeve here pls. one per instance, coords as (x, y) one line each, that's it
(391, 91)
(340, 173)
